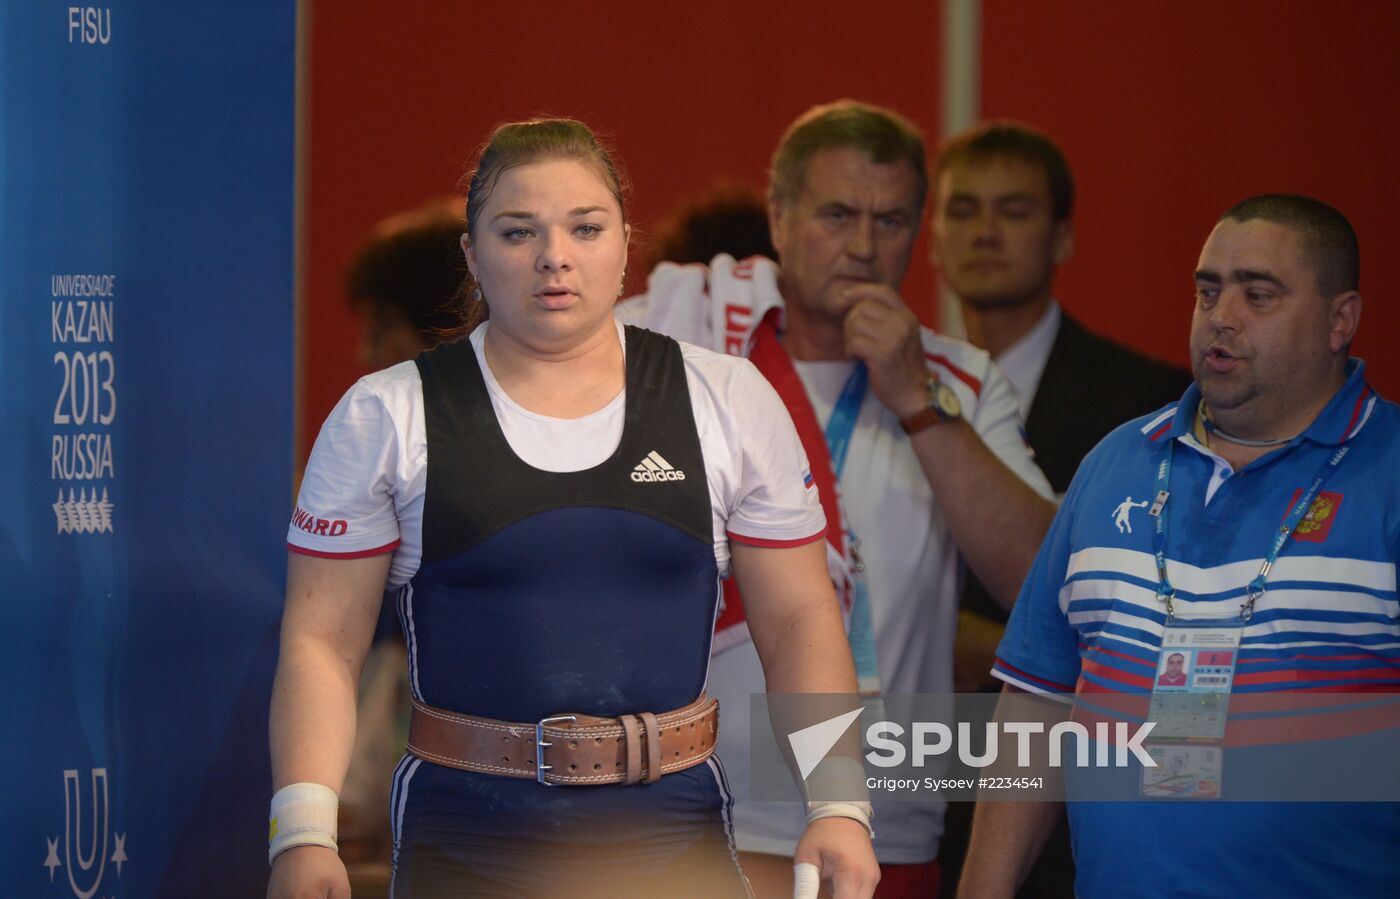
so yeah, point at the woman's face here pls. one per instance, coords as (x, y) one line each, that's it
(549, 253)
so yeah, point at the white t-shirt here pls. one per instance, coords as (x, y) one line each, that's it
(913, 571)
(364, 485)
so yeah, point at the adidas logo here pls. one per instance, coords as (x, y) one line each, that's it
(654, 468)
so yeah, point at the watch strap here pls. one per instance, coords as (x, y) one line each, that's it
(919, 421)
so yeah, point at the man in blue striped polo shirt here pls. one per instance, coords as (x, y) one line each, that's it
(1280, 452)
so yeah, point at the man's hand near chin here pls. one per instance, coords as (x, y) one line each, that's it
(883, 332)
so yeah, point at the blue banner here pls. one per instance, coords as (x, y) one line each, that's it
(146, 326)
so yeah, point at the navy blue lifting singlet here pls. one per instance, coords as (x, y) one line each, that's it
(545, 592)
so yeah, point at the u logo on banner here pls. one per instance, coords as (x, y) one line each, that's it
(73, 828)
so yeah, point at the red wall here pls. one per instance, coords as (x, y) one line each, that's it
(1171, 112)
(398, 100)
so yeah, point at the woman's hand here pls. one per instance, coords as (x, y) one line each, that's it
(840, 850)
(308, 872)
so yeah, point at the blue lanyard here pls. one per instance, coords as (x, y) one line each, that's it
(843, 418)
(1166, 593)
(839, 429)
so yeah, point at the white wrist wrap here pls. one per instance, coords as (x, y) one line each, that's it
(806, 881)
(860, 811)
(303, 814)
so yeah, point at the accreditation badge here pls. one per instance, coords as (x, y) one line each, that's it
(1183, 771)
(1190, 705)
(1191, 689)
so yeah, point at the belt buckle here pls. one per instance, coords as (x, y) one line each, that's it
(541, 745)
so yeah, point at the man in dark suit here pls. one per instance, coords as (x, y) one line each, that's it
(1002, 226)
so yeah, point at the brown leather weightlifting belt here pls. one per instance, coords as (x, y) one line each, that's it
(578, 750)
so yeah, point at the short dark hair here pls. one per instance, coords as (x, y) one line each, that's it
(1007, 139)
(881, 134)
(413, 265)
(1327, 235)
(728, 217)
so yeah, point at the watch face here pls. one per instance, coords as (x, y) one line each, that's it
(944, 400)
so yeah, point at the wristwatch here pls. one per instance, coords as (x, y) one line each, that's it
(942, 406)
